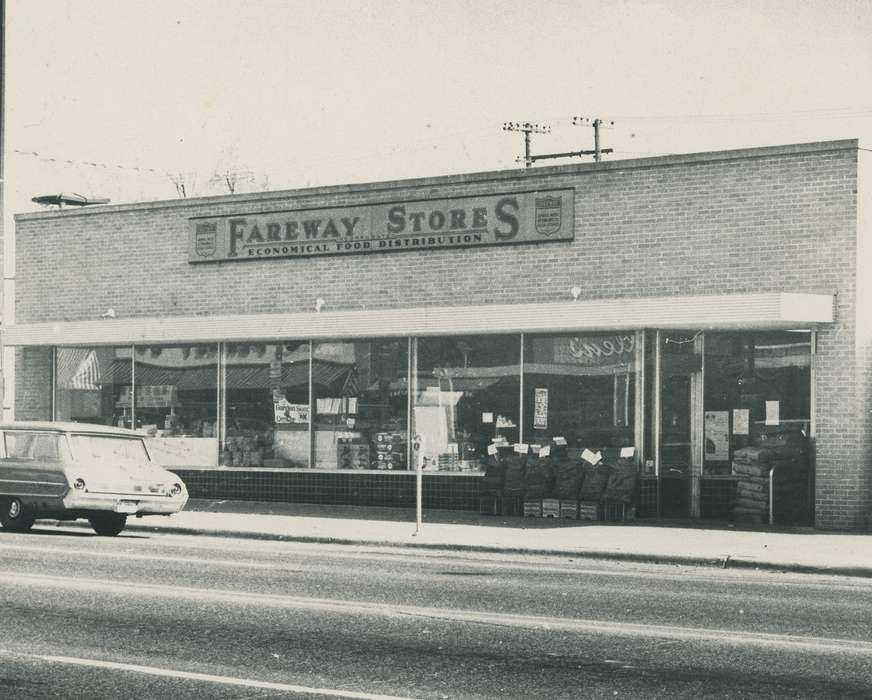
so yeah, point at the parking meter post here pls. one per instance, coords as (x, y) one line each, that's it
(419, 483)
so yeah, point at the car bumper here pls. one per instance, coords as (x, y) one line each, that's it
(132, 504)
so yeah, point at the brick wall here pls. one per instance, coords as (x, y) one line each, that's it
(33, 383)
(778, 219)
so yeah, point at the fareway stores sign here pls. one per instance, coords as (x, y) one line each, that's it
(526, 217)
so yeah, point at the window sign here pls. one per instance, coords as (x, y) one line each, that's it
(717, 436)
(772, 413)
(540, 409)
(741, 420)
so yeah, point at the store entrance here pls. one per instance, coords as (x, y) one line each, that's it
(680, 443)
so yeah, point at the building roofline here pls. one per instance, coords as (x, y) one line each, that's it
(514, 175)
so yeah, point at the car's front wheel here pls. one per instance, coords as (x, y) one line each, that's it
(108, 524)
(14, 516)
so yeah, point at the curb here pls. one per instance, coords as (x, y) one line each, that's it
(725, 562)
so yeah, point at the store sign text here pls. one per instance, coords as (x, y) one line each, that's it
(595, 349)
(526, 217)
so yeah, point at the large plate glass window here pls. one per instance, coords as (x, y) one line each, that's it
(174, 398)
(468, 397)
(757, 384)
(360, 400)
(92, 385)
(581, 387)
(266, 399)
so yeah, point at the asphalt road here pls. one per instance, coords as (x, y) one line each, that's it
(159, 616)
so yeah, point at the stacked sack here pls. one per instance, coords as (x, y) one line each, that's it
(539, 477)
(491, 485)
(787, 453)
(594, 480)
(567, 474)
(623, 477)
(516, 472)
(494, 476)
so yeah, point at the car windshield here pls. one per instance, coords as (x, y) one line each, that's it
(107, 448)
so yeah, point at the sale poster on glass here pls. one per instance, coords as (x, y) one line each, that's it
(717, 436)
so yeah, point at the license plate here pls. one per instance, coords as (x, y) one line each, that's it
(125, 507)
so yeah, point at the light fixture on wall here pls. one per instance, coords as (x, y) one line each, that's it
(320, 304)
(108, 313)
(575, 292)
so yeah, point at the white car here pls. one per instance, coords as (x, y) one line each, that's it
(66, 471)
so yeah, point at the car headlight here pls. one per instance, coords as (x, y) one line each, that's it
(79, 483)
(175, 489)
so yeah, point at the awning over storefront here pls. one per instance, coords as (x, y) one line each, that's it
(238, 376)
(771, 310)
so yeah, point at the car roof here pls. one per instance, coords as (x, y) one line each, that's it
(69, 427)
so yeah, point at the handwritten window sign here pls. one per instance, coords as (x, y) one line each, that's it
(741, 421)
(591, 457)
(461, 222)
(286, 412)
(773, 411)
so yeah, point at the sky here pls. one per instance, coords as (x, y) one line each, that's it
(135, 99)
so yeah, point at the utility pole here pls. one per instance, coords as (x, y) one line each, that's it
(596, 123)
(528, 129)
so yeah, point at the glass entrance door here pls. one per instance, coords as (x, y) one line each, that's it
(679, 453)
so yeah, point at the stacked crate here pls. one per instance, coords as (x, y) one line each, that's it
(448, 462)
(550, 507)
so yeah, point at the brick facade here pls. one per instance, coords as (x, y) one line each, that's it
(780, 219)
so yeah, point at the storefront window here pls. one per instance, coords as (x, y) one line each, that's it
(360, 399)
(580, 387)
(92, 385)
(175, 390)
(468, 397)
(267, 404)
(755, 382)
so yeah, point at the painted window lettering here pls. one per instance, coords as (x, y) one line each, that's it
(585, 349)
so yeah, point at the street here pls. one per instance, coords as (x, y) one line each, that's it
(149, 616)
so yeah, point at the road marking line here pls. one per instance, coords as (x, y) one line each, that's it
(206, 677)
(534, 622)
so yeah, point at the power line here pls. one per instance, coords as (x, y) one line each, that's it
(92, 164)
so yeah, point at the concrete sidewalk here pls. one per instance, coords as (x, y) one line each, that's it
(684, 542)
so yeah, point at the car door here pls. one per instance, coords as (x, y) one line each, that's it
(31, 466)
